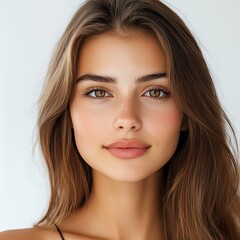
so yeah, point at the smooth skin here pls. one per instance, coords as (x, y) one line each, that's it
(124, 202)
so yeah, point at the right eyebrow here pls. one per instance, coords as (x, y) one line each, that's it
(97, 78)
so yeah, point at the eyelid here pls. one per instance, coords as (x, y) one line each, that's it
(161, 88)
(92, 89)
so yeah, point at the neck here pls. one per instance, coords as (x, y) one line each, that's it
(129, 210)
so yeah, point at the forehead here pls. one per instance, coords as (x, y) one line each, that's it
(112, 53)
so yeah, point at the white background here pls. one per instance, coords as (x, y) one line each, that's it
(29, 31)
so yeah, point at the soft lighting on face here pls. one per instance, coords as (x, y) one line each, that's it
(123, 99)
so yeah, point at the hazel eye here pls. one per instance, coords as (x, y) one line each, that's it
(156, 93)
(97, 93)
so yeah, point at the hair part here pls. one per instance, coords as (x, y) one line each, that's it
(201, 198)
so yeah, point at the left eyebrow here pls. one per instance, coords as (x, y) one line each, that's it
(109, 79)
(149, 77)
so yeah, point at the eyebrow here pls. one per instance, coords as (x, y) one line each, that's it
(109, 79)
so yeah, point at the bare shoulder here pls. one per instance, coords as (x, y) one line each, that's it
(35, 233)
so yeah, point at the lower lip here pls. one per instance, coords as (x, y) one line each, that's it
(127, 153)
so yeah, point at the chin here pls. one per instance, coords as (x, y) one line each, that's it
(130, 177)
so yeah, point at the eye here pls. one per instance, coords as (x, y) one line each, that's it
(156, 92)
(97, 93)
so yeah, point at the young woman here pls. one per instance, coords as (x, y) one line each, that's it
(135, 140)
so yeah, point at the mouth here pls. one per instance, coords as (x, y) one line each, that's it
(127, 149)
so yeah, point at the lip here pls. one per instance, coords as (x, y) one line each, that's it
(127, 149)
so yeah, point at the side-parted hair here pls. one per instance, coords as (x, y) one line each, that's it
(200, 198)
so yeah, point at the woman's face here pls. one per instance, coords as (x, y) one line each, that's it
(125, 119)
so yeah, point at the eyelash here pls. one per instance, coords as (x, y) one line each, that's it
(154, 88)
(91, 90)
(164, 91)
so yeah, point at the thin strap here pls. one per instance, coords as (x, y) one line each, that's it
(59, 231)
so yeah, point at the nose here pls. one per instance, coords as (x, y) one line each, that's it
(128, 118)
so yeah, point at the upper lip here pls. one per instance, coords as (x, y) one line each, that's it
(128, 144)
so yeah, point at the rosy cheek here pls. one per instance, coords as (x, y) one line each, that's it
(167, 121)
(86, 120)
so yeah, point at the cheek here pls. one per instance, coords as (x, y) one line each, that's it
(166, 124)
(89, 126)
(86, 122)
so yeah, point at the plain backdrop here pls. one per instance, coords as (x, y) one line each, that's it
(29, 31)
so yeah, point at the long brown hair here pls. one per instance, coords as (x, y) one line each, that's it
(201, 199)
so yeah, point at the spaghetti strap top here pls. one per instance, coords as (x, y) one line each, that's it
(59, 231)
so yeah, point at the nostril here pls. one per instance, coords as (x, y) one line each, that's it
(127, 125)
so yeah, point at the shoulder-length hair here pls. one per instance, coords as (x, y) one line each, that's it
(200, 198)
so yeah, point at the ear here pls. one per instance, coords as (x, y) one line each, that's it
(184, 125)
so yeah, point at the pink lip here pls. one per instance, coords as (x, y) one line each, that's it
(127, 149)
